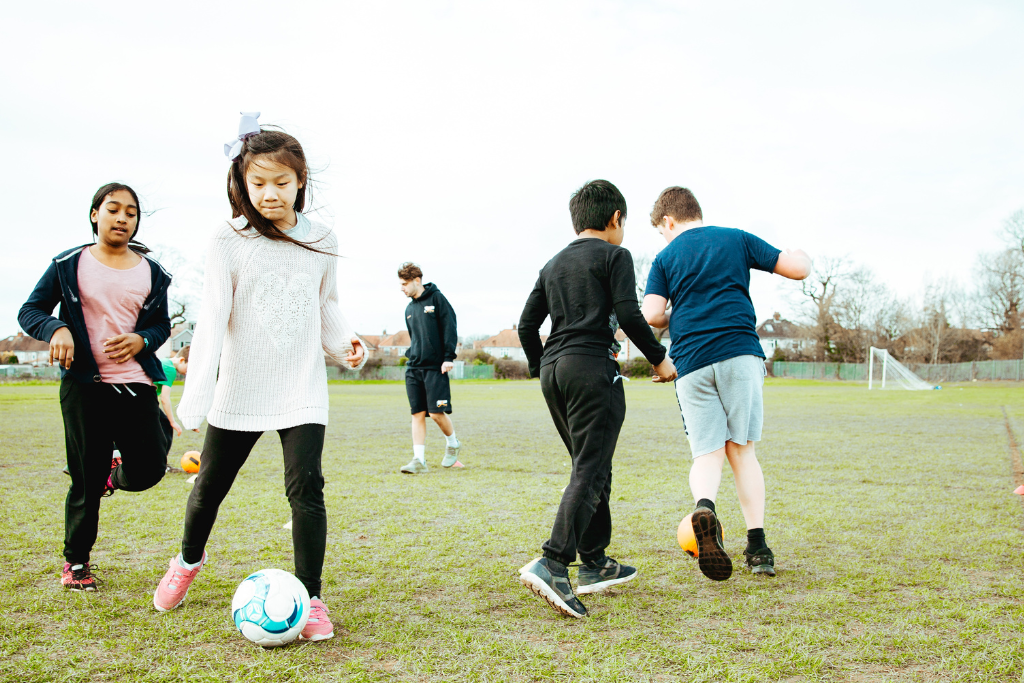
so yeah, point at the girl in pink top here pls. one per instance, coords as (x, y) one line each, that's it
(113, 316)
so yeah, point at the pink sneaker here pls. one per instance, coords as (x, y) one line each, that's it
(173, 587)
(319, 626)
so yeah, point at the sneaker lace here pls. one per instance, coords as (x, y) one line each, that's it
(85, 573)
(317, 613)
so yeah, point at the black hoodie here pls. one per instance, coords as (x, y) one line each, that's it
(430, 320)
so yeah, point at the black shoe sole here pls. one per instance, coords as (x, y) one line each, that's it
(712, 559)
(541, 589)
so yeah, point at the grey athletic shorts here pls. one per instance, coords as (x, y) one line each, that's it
(722, 402)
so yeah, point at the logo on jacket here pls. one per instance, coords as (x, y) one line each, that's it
(428, 309)
(442, 403)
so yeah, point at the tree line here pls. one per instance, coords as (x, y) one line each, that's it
(846, 310)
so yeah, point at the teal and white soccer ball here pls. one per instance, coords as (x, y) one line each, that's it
(270, 607)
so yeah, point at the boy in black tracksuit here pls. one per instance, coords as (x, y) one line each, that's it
(98, 413)
(589, 290)
(433, 337)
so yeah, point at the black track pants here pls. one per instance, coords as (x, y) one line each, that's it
(224, 453)
(95, 417)
(588, 406)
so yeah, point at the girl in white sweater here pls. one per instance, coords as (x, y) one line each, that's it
(270, 287)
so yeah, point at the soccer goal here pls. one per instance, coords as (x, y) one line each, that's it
(890, 373)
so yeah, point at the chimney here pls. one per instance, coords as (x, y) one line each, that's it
(513, 327)
(777, 316)
(21, 334)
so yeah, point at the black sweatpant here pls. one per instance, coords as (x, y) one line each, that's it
(224, 453)
(588, 406)
(95, 417)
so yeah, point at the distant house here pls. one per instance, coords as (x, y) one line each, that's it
(28, 350)
(395, 345)
(505, 344)
(181, 336)
(778, 333)
(629, 351)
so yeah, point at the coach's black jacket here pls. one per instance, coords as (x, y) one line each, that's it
(59, 285)
(430, 320)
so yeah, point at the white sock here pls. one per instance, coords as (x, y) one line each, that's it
(451, 440)
(419, 452)
(185, 565)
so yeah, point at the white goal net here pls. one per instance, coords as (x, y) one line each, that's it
(885, 372)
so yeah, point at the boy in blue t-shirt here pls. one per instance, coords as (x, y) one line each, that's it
(705, 272)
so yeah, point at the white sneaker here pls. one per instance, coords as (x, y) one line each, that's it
(415, 466)
(451, 455)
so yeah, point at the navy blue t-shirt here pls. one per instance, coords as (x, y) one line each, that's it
(705, 273)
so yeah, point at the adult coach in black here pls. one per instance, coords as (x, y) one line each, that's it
(430, 320)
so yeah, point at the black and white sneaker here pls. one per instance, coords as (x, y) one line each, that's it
(602, 575)
(550, 580)
(712, 559)
(761, 561)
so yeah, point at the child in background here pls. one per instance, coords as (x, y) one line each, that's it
(589, 290)
(705, 273)
(113, 315)
(270, 285)
(175, 366)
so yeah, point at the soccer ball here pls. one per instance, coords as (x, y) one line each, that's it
(190, 461)
(270, 607)
(686, 538)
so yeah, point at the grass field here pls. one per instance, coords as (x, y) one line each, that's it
(898, 541)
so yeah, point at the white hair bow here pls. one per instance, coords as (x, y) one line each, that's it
(246, 127)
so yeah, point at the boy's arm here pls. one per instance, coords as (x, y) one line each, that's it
(792, 263)
(449, 329)
(654, 310)
(165, 404)
(534, 313)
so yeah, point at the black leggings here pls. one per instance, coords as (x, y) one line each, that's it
(95, 416)
(224, 453)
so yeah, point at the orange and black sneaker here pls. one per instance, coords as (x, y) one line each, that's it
(78, 577)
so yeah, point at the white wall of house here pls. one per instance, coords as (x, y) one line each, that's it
(499, 352)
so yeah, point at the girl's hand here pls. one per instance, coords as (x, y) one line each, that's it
(123, 347)
(356, 356)
(62, 348)
(177, 428)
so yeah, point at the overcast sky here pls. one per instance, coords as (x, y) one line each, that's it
(453, 134)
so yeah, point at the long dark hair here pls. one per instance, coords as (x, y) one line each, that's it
(281, 148)
(97, 200)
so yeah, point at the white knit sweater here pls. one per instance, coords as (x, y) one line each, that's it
(270, 311)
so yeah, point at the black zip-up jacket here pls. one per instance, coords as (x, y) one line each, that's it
(430, 320)
(59, 285)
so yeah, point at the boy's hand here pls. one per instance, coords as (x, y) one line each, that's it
(446, 366)
(62, 348)
(665, 371)
(123, 347)
(356, 355)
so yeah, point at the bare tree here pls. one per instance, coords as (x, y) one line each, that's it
(186, 288)
(1013, 230)
(854, 310)
(819, 293)
(1001, 289)
(935, 337)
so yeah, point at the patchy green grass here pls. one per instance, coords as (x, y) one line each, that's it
(898, 541)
